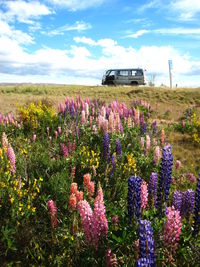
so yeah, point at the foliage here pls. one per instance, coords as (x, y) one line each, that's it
(53, 153)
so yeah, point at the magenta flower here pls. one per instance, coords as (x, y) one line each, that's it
(144, 195)
(100, 224)
(11, 157)
(86, 214)
(53, 212)
(172, 229)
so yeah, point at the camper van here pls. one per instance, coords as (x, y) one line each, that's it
(124, 77)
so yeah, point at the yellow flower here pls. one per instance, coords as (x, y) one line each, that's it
(33, 209)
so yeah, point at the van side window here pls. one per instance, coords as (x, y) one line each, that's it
(123, 72)
(133, 73)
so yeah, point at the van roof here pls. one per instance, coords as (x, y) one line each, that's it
(128, 69)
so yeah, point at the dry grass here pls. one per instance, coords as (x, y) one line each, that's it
(167, 103)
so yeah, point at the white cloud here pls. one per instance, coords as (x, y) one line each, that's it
(150, 5)
(178, 31)
(75, 5)
(20, 37)
(85, 40)
(77, 64)
(77, 26)
(186, 9)
(25, 11)
(138, 33)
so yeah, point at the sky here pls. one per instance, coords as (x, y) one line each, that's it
(75, 41)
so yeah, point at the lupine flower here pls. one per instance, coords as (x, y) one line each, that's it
(115, 220)
(111, 260)
(11, 157)
(137, 199)
(154, 127)
(148, 142)
(164, 178)
(91, 187)
(64, 150)
(146, 243)
(188, 198)
(183, 123)
(56, 134)
(100, 224)
(157, 154)
(59, 130)
(83, 119)
(152, 187)
(86, 214)
(106, 152)
(34, 137)
(73, 172)
(134, 196)
(177, 200)
(142, 141)
(4, 140)
(191, 177)
(178, 164)
(79, 196)
(144, 195)
(197, 208)
(162, 137)
(86, 179)
(145, 262)
(172, 229)
(113, 164)
(72, 201)
(73, 188)
(53, 212)
(143, 128)
(118, 148)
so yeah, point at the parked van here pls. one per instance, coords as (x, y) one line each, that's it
(124, 77)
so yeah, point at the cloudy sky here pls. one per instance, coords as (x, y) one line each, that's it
(75, 41)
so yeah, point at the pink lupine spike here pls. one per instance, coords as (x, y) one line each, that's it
(53, 212)
(144, 195)
(11, 157)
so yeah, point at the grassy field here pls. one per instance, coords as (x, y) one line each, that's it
(167, 105)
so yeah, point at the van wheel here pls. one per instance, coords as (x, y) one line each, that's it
(134, 83)
(110, 83)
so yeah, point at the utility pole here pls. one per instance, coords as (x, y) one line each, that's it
(170, 72)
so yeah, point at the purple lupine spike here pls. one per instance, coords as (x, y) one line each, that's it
(177, 200)
(144, 262)
(118, 148)
(187, 202)
(197, 208)
(106, 152)
(164, 178)
(146, 242)
(113, 164)
(141, 118)
(152, 187)
(143, 128)
(137, 199)
(72, 110)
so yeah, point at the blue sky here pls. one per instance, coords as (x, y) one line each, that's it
(74, 42)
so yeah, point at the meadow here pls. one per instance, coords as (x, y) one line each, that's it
(99, 176)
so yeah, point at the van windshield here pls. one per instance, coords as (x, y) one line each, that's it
(110, 72)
